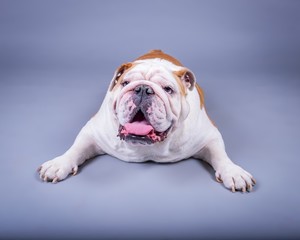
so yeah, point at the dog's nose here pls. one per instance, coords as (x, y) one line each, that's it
(143, 89)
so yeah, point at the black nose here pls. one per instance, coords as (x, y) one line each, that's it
(143, 89)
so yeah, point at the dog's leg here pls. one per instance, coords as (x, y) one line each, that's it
(60, 167)
(231, 175)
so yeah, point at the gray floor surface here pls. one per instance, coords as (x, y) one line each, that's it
(57, 59)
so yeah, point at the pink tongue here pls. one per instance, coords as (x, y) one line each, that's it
(138, 128)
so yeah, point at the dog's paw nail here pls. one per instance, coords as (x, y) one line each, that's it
(219, 180)
(249, 187)
(55, 180)
(75, 170)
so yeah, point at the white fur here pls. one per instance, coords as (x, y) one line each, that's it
(193, 134)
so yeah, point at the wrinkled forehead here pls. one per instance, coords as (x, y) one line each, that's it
(150, 71)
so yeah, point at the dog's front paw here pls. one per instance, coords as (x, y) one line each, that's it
(235, 178)
(57, 169)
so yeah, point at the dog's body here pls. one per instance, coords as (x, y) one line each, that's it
(153, 110)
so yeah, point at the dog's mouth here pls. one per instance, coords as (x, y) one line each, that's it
(139, 130)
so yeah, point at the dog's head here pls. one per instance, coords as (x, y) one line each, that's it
(149, 97)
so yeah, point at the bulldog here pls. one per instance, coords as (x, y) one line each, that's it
(153, 111)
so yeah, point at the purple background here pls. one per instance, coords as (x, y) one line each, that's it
(56, 61)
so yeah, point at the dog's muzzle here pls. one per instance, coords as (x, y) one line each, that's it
(139, 128)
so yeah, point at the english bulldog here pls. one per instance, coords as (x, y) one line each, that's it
(153, 111)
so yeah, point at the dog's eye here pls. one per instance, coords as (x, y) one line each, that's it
(168, 90)
(124, 83)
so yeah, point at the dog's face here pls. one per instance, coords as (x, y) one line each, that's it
(149, 99)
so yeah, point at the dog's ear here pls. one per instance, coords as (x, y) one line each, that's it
(187, 78)
(118, 74)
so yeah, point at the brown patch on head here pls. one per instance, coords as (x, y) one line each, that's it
(159, 54)
(178, 76)
(118, 76)
(182, 89)
(201, 95)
